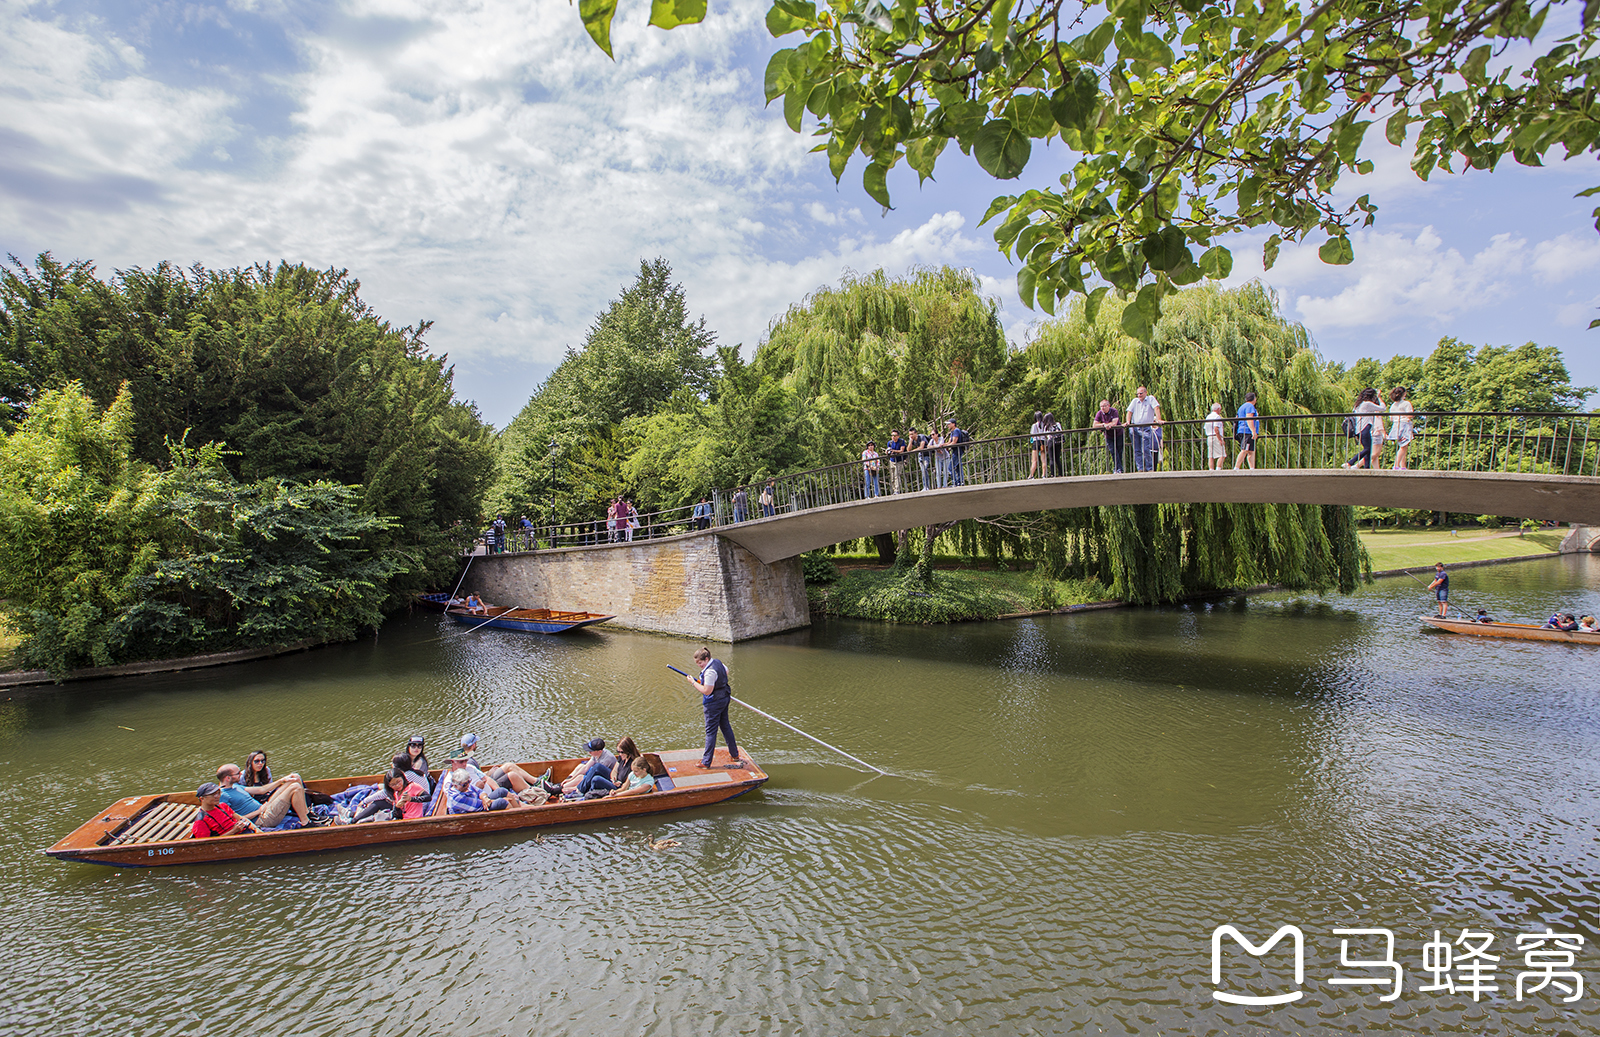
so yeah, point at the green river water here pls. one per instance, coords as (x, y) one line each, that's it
(1075, 804)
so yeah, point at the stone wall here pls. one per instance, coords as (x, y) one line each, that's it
(697, 585)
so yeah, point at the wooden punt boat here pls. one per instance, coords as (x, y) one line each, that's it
(436, 601)
(152, 831)
(529, 621)
(1517, 631)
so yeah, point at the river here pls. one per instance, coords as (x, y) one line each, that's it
(1075, 804)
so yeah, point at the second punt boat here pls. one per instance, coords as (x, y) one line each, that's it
(1516, 631)
(531, 621)
(154, 830)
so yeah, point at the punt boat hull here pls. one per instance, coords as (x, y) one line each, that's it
(1515, 631)
(528, 621)
(691, 786)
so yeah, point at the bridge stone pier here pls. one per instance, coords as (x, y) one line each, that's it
(696, 585)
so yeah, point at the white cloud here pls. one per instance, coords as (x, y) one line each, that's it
(1566, 256)
(1579, 314)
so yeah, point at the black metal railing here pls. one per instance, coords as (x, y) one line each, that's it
(1547, 443)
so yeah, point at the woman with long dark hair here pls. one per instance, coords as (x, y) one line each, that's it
(626, 753)
(1367, 411)
(411, 762)
(256, 771)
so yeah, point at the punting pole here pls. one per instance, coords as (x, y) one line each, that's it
(796, 730)
(463, 576)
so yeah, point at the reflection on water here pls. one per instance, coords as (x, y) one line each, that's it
(1074, 804)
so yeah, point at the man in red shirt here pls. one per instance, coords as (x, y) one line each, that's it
(217, 817)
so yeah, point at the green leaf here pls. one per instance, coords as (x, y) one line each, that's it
(1337, 251)
(1592, 325)
(1395, 128)
(596, 15)
(1031, 113)
(875, 180)
(1073, 105)
(794, 109)
(1002, 150)
(1186, 274)
(1166, 249)
(1027, 278)
(1472, 68)
(1216, 262)
(1269, 252)
(1000, 19)
(922, 153)
(986, 59)
(669, 14)
(776, 80)
(999, 205)
(1094, 45)
(1091, 305)
(1115, 267)
(1587, 194)
(1139, 316)
(785, 16)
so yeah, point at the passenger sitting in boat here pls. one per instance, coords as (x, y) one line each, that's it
(475, 604)
(414, 763)
(1562, 621)
(464, 799)
(1484, 617)
(216, 817)
(600, 762)
(398, 798)
(507, 775)
(274, 813)
(1588, 626)
(627, 752)
(640, 781)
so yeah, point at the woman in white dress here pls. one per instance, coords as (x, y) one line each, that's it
(1400, 429)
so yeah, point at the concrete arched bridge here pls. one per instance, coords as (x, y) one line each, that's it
(739, 576)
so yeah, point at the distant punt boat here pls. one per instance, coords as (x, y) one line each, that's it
(531, 621)
(436, 601)
(1516, 631)
(155, 830)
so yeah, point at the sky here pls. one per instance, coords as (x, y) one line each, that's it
(482, 165)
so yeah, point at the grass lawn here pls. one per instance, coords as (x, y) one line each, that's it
(1420, 548)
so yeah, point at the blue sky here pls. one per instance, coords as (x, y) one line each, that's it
(482, 165)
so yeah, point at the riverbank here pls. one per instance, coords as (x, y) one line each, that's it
(24, 678)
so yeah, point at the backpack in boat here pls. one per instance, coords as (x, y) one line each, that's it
(1348, 426)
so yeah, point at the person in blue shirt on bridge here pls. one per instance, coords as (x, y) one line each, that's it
(957, 438)
(1249, 429)
(702, 514)
(896, 449)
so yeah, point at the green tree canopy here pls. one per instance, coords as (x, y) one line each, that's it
(284, 363)
(1179, 122)
(642, 351)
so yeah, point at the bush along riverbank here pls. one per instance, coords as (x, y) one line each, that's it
(896, 595)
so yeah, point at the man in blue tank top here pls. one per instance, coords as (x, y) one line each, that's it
(715, 694)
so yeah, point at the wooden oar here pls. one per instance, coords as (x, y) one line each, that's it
(796, 730)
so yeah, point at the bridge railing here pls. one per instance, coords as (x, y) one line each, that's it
(1551, 443)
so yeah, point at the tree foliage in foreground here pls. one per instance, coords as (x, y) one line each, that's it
(108, 558)
(1178, 122)
(284, 363)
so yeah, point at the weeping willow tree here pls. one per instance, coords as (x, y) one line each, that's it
(877, 353)
(1210, 346)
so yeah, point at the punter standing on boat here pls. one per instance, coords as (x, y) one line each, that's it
(1441, 587)
(715, 694)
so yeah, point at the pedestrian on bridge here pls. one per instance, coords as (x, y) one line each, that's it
(1216, 446)
(1052, 445)
(1036, 444)
(1400, 428)
(1109, 420)
(1144, 420)
(1369, 426)
(896, 449)
(957, 438)
(741, 504)
(869, 469)
(1248, 430)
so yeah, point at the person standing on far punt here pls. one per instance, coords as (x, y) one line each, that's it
(1144, 417)
(1401, 431)
(1216, 446)
(1441, 588)
(716, 691)
(1109, 420)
